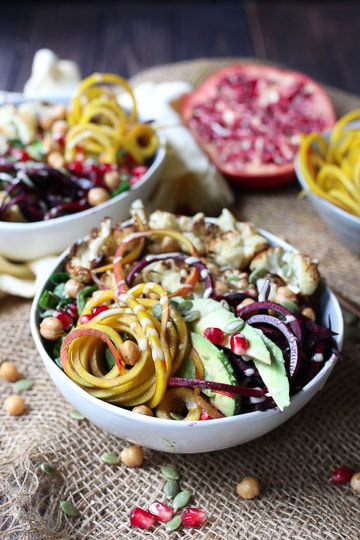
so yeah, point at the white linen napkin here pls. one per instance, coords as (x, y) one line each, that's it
(188, 178)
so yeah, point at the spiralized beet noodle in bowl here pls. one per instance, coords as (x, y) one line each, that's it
(185, 333)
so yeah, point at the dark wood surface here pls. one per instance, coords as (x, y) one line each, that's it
(318, 38)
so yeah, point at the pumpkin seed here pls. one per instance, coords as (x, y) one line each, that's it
(181, 499)
(157, 311)
(185, 306)
(23, 384)
(170, 472)
(48, 468)
(109, 457)
(68, 508)
(173, 524)
(171, 488)
(191, 316)
(76, 415)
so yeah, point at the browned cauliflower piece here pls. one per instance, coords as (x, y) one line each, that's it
(298, 271)
(236, 243)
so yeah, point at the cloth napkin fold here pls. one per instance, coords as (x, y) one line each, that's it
(187, 180)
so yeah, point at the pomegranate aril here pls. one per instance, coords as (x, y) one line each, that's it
(99, 309)
(341, 475)
(239, 344)
(140, 518)
(65, 319)
(193, 517)
(215, 335)
(161, 511)
(84, 319)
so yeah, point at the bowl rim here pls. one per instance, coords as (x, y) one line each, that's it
(103, 405)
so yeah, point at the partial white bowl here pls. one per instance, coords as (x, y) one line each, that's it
(184, 437)
(30, 241)
(345, 226)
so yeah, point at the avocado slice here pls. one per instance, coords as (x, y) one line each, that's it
(266, 355)
(217, 367)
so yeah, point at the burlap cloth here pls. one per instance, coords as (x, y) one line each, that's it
(293, 463)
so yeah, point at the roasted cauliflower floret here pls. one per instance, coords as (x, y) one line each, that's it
(160, 219)
(236, 246)
(298, 271)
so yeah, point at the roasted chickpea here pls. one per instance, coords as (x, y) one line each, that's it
(130, 352)
(169, 244)
(9, 371)
(143, 409)
(56, 160)
(98, 195)
(309, 312)
(51, 328)
(111, 179)
(248, 488)
(73, 287)
(132, 456)
(284, 293)
(14, 405)
(355, 482)
(59, 127)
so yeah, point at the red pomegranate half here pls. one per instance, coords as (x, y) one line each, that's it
(248, 117)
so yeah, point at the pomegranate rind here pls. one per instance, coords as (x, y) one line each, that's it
(256, 174)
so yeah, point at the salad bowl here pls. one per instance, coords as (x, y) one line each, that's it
(185, 436)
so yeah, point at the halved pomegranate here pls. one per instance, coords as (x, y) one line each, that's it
(248, 117)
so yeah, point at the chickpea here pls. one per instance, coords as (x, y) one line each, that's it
(9, 371)
(130, 352)
(132, 456)
(220, 288)
(59, 127)
(169, 244)
(14, 405)
(248, 488)
(56, 160)
(355, 482)
(50, 145)
(284, 293)
(51, 328)
(98, 195)
(245, 302)
(309, 312)
(143, 409)
(73, 287)
(111, 179)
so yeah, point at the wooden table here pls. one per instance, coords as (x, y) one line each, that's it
(319, 38)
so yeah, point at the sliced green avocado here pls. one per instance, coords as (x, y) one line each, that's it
(267, 356)
(217, 368)
(214, 314)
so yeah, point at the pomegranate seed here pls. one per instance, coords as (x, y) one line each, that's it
(205, 415)
(193, 517)
(99, 309)
(239, 344)
(140, 518)
(65, 319)
(215, 335)
(161, 511)
(84, 319)
(341, 475)
(72, 310)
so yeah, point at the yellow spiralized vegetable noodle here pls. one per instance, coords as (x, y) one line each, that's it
(332, 168)
(162, 339)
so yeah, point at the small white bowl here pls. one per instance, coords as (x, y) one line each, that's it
(344, 225)
(182, 436)
(30, 241)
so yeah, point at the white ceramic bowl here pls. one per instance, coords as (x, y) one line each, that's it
(345, 226)
(182, 436)
(28, 241)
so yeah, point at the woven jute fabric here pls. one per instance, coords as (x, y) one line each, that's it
(293, 463)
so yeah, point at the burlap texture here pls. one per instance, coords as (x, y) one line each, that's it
(293, 463)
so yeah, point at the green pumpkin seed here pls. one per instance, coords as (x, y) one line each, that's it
(23, 384)
(234, 326)
(170, 472)
(192, 316)
(109, 457)
(181, 499)
(171, 488)
(185, 306)
(157, 311)
(76, 415)
(173, 524)
(69, 509)
(48, 468)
